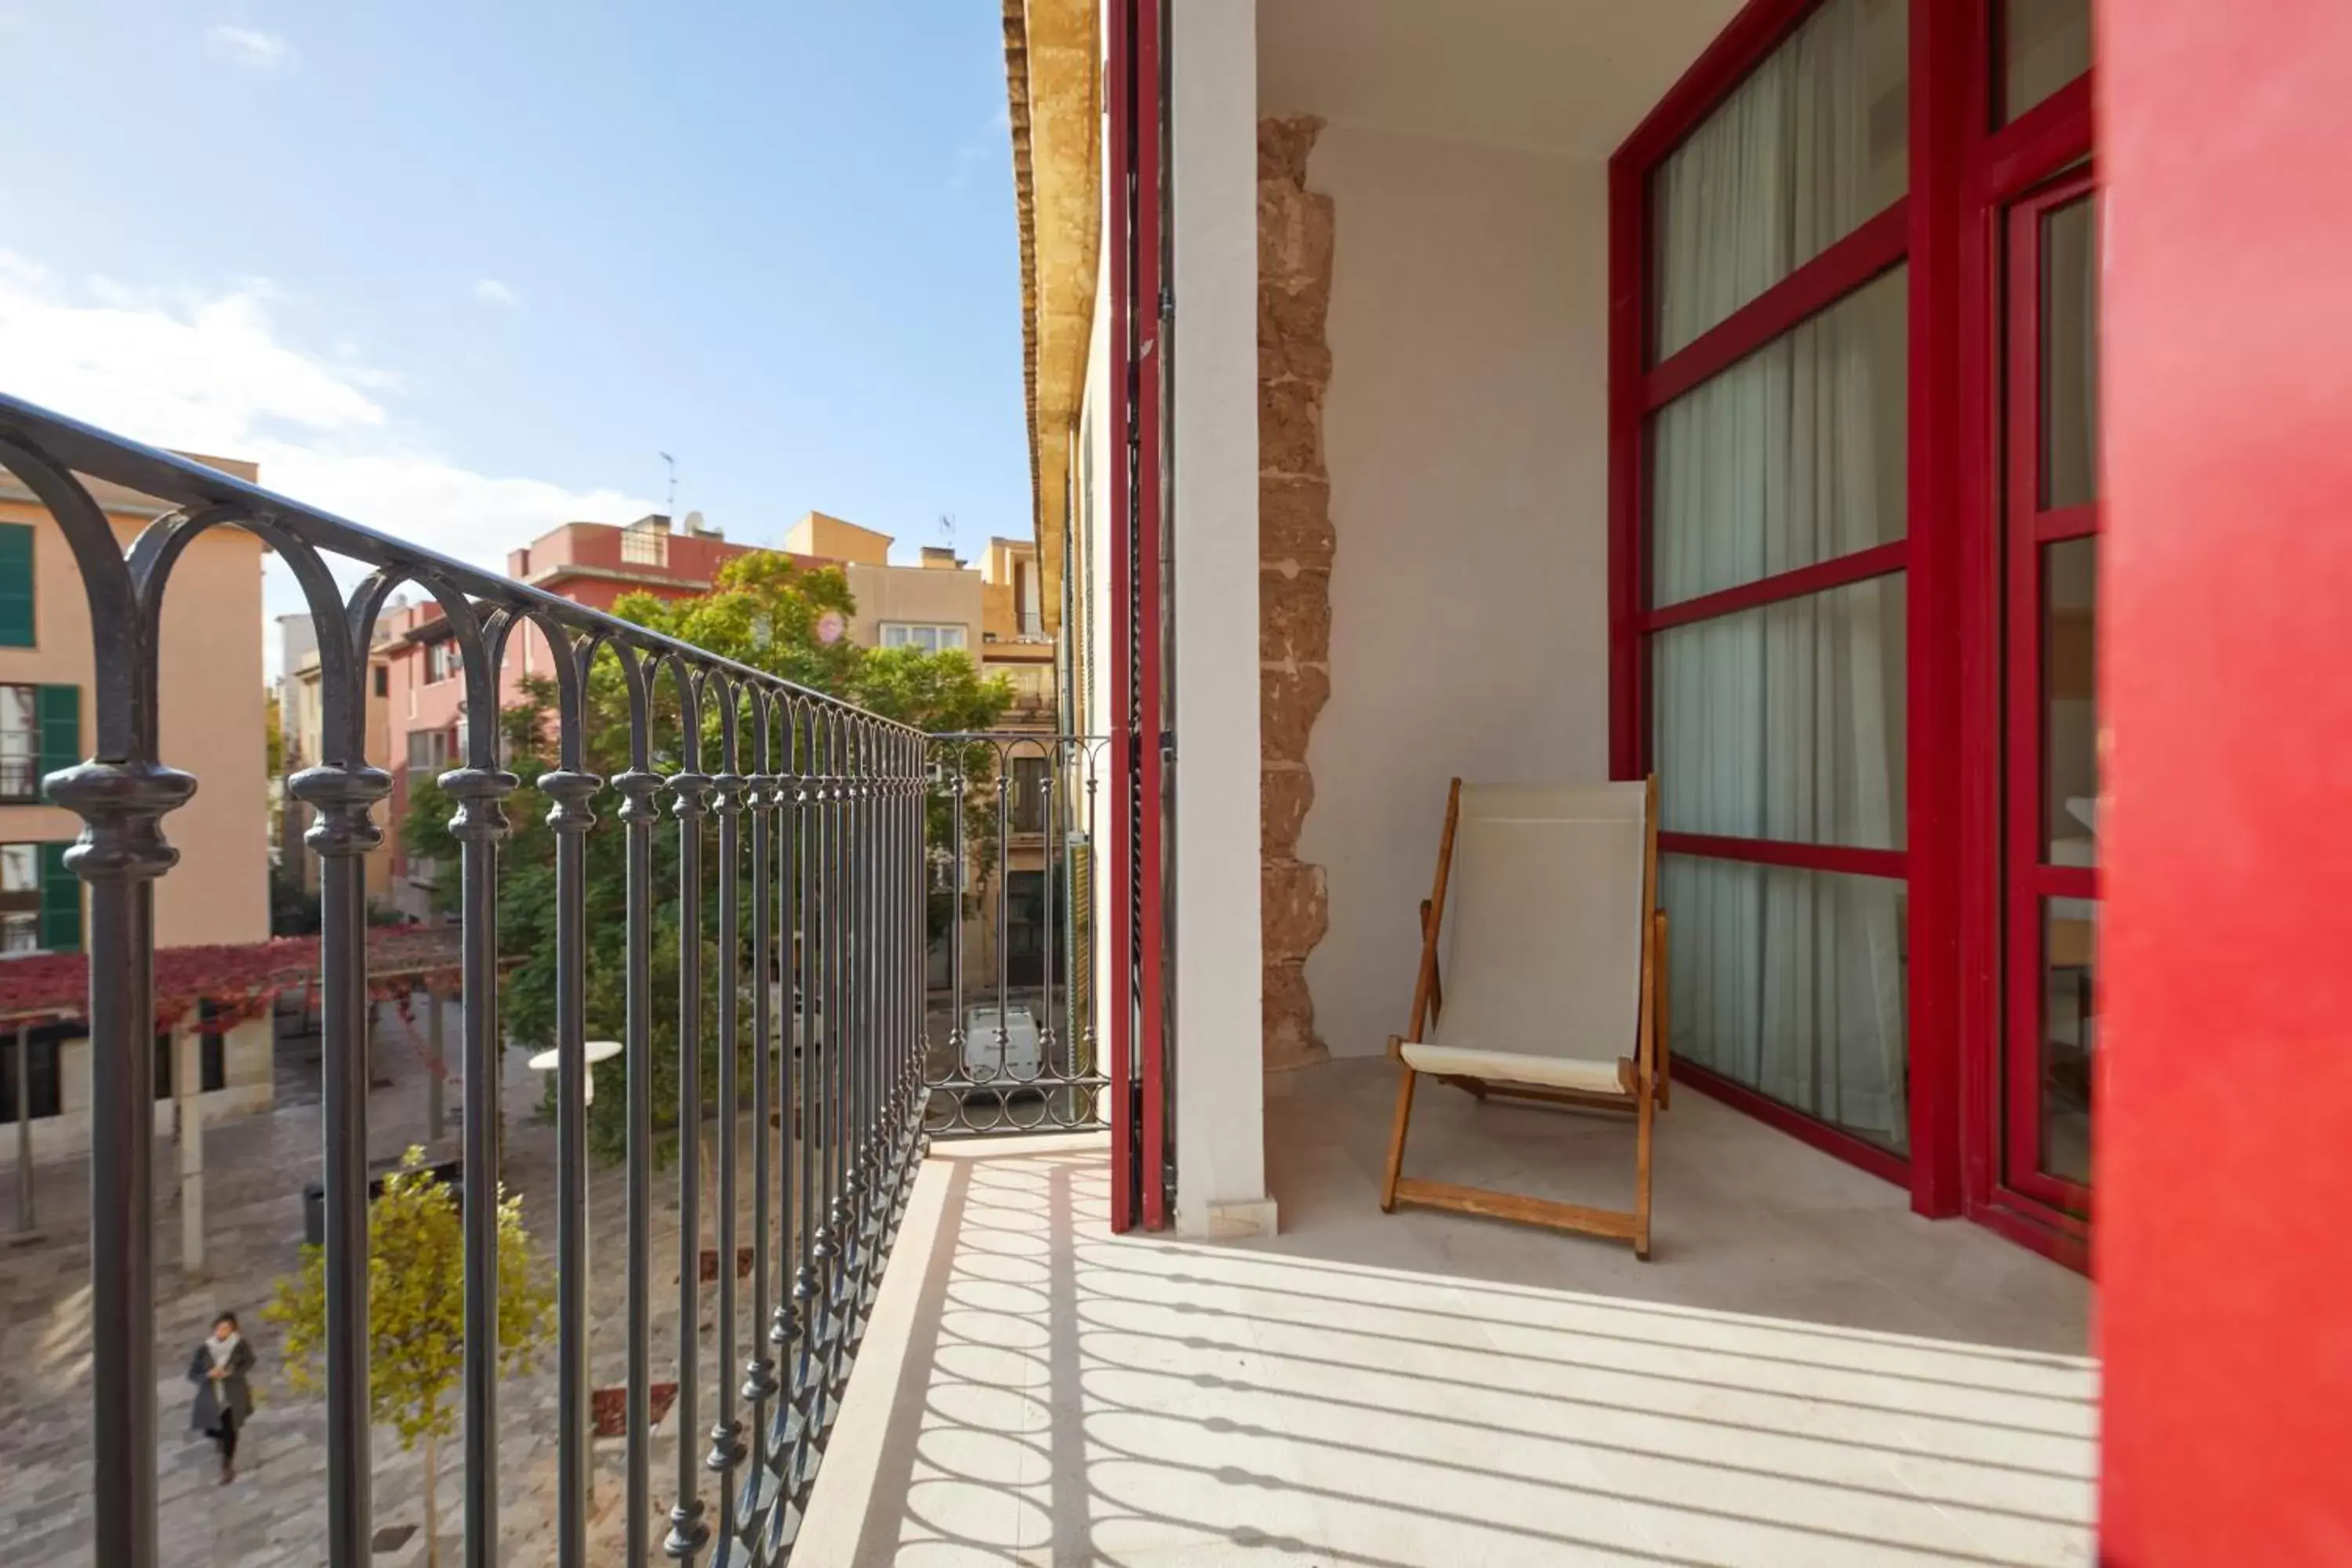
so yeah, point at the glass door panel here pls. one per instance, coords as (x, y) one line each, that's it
(2054, 739)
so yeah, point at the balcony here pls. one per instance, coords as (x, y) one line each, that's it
(821, 853)
(909, 1328)
(1806, 1372)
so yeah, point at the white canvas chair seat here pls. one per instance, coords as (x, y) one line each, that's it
(1540, 976)
(1543, 1071)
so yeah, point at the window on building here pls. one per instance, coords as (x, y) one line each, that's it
(383, 680)
(20, 743)
(929, 637)
(428, 749)
(40, 732)
(16, 584)
(40, 900)
(442, 661)
(645, 546)
(1032, 684)
(20, 898)
(39, 1072)
(1775, 633)
(1026, 794)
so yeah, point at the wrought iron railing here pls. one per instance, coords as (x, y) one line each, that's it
(831, 870)
(1013, 820)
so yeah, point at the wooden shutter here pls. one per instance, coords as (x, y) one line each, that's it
(60, 902)
(59, 713)
(16, 584)
(1079, 907)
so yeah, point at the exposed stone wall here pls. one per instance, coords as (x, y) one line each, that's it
(1296, 544)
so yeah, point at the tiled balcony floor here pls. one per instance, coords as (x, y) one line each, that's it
(1806, 1374)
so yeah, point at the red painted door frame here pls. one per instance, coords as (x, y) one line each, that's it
(1137, 1111)
(2028, 527)
(2224, 1166)
(1947, 231)
(2005, 168)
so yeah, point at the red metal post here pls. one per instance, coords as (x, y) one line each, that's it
(2224, 1156)
(1946, 96)
(1121, 1000)
(1150, 386)
(1628, 356)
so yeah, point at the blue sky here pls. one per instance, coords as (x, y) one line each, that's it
(461, 269)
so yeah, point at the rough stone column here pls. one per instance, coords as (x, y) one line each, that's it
(1295, 545)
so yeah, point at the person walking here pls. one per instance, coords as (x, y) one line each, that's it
(224, 1396)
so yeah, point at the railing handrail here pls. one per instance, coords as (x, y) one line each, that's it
(168, 477)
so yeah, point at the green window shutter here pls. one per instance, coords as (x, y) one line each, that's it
(60, 902)
(16, 584)
(59, 709)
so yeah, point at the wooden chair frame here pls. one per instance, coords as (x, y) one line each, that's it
(1644, 1079)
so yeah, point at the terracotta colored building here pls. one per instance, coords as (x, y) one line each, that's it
(939, 603)
(212, 704)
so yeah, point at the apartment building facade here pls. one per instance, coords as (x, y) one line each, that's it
(939, 603)
(300, 717)
(213, 706)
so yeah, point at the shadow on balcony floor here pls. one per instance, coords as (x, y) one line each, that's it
(1428, 1389)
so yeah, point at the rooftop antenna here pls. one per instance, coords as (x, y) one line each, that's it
(669, 507)
(947, 529)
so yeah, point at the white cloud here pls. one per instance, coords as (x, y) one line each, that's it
(249, 47)
(490, 291)
(211, 373)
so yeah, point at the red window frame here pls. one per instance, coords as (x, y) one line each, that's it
(2008, 165)
(2029, 526)
(1639, 389)
(1966, 168)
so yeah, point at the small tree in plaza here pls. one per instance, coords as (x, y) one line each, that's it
(416, 1306)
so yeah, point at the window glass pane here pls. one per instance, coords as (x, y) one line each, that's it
(20, 868)
(2069, 354)
(1787, 721)
(2069, 1034)
(2046, 44)
(1812, 143)
(2070, 703)
(1796, 454)
(20, 933)
(1794, 983)
(20, 743)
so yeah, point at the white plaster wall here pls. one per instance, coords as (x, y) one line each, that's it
(1219, 1089)
(1094, 606)
(1465, 434)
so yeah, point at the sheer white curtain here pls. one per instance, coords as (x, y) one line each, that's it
(1784, 722)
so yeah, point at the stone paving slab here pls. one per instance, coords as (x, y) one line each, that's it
(273, 1515)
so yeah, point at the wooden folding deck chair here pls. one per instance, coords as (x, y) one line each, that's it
(1542, 978)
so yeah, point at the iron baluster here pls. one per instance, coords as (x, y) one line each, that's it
(639, 811)
(688, 1529)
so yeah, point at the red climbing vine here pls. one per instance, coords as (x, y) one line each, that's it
(241, 980)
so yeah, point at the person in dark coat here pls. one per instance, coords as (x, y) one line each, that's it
(224, 1396)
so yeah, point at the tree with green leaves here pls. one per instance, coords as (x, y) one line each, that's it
(764, 611)
(416, 1314)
